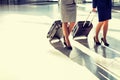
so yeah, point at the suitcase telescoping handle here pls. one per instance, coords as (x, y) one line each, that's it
(91, 19)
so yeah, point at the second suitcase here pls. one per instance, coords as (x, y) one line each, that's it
(55, 31)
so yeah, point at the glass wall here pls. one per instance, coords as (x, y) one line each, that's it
(115, 2)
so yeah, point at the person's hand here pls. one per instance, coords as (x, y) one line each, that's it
(94, 10)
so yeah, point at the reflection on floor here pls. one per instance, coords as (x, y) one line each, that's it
(103, 63)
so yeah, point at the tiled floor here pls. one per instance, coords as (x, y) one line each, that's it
(26, 54)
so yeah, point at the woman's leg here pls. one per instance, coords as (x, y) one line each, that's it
(105, 29)
(66, 32)
(72, 24)
(98, 28)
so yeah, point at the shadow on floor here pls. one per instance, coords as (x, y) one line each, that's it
(59, 46)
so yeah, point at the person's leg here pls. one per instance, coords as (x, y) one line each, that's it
(72, 24)
(105, 29)
(98, 28)
(66, 33)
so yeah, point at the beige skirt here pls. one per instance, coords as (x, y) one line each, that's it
(68, 12)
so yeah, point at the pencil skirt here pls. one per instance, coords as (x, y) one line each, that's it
(68, 12)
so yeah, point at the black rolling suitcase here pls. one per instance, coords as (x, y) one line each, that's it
(55, 31)
(82, 28)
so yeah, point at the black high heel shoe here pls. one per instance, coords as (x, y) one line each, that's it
(105, 43)
(97, 42)
(68, 47)
(64, 41)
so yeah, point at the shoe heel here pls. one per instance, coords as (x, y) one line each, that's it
(101, 40)
(97, 43)
(64, 41)
(105, 43)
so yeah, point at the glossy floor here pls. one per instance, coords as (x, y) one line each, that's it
(26, 54)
